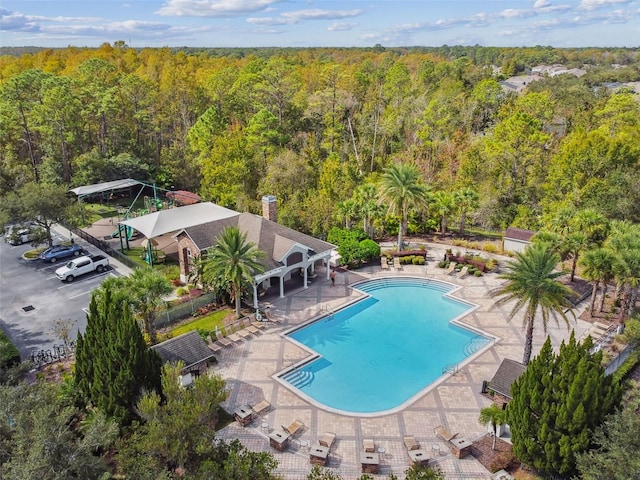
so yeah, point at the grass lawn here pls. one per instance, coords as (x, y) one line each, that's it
(207, 323)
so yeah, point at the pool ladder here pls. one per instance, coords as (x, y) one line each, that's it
(329, 312)
(451, 368)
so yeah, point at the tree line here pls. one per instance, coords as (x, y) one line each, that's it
(315, 127)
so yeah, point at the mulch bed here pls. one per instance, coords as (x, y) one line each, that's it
(494, 460)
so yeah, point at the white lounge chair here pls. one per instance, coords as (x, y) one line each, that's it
(463, 272)
(451, 269)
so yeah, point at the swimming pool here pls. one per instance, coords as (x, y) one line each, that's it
(378, 353)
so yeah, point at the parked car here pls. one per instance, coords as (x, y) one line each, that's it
(57, 252)
(82, 265)
(19, 234)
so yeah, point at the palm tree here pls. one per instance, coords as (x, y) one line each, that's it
(367, 206)
(146, 288)
(598, 266)
(346, 211)
(235, 260)
(496, 416)
(467, 199)
(531, 281)
(402, 189)
(443, 205)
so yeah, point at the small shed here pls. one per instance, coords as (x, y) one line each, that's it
(188, 348)
(516, 239)
(508, 372)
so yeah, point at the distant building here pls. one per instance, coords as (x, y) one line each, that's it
(516, 239)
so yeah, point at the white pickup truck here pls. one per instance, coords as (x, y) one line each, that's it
(81, 265)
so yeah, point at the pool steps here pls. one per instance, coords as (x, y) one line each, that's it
(299, 378)
(376, 284)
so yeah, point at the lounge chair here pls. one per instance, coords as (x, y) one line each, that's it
(215, 347)
(327, 439)
(411, 443)
(260, 321)
(444, 434)
(261, 408)
(463, 273)
(384, 263)
(294, 428)
(234, 337)
(243, 332)
(225, 342)
(451, 269)
(246, 323)
(396, 263)
(368, 445)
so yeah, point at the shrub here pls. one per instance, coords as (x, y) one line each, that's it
(418, 260)
(9, 354)
(181, 291)
(339, 235)
(443, 264)
(490, 247)
(369, 249)
(477, 273)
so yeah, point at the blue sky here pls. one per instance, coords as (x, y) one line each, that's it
(309, 23)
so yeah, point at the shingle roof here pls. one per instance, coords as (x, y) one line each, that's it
(519, 234)
(188, 348)
(271, 237)
(508, 372)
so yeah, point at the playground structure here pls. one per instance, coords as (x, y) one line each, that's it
(148, 199)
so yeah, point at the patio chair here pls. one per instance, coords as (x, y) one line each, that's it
(327, 439)
(261, 407)
(463, 273)
(444, 434)
(225, 342)
(451, 269)
(368, 445)
(231, 335)
(242, 331)
(411, 443)
(215, 347)
(259, 321)
(396, 263)
(294, 428)
(246, 323)
(384, 263)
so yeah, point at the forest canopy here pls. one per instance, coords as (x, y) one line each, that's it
(316, 127)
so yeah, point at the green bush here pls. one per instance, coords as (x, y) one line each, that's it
(9, 354)
(339, 235)
(443, 264)
(418, 260)
(369, 249)
(477, 273)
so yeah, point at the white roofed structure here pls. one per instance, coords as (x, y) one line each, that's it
(96, 188)
(167, 221)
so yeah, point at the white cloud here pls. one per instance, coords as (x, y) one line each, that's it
(541, 4)
(593, 4)
(297, 16)
(341, 26)
(213, 8)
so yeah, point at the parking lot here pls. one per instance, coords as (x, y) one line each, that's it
(32, 298)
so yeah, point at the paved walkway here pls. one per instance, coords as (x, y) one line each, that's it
(454, 401)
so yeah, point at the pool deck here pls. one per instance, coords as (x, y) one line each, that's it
(453, 402)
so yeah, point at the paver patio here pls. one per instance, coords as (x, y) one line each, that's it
(453, 401)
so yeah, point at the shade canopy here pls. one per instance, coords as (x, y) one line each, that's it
(174, 219)
(146, 241)
(85, 190)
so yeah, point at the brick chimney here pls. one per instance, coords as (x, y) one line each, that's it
(270, 208)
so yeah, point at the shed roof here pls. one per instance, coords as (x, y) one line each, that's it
(188, 348)
(519, 234)
(508, 372)
(167, 221)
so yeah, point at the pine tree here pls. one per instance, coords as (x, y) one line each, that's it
(113, 362)
(557, 403)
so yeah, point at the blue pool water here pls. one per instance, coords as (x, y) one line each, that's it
(383, 350)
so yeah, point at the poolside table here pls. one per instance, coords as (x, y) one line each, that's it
(370, 462)
(419, 456)
(243, 415)
(460, 447)
(279, 440)
(318, 455)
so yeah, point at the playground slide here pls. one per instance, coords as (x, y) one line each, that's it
(129, 231)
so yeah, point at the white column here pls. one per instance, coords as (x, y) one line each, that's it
(306, 285)
(255, 295)
(282, 287)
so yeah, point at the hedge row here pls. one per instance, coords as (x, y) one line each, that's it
(9, 354)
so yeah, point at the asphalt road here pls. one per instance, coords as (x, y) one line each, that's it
(32, 298)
